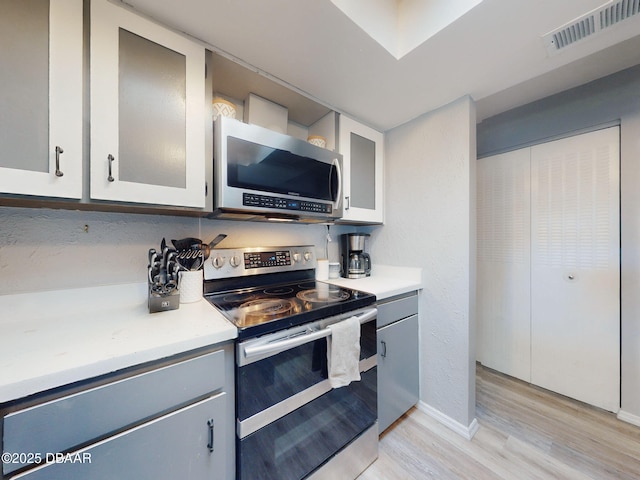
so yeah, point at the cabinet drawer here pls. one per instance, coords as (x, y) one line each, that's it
(397, 309)
(66, 422)
(185, 444)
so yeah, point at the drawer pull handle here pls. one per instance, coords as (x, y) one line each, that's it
(383, 354)
(210, 423)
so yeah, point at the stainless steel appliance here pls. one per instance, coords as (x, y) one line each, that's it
(259, 173)
(356, 263)
(290, 423)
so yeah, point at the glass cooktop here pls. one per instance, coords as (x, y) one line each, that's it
(260, 310)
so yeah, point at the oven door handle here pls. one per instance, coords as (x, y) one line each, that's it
(295, 341)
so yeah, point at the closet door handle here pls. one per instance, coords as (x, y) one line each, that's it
(383, 354)
(59, 150)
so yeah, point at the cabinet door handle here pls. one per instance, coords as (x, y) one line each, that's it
(211, 434)
(383, 354)
(347, 203)
(59, 150)
(110, 159)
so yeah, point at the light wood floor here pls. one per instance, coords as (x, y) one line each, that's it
(525, 433)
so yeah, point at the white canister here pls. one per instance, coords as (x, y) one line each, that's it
(322, 269)
(190, 285)
(334, 270)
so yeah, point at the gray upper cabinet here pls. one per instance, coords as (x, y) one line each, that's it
(147, 111)
(362, 149)
(41, 97)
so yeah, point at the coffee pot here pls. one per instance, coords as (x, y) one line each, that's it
(356, 263)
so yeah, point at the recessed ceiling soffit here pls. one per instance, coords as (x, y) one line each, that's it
(400, 26)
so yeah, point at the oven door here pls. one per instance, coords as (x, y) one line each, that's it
(289, 419)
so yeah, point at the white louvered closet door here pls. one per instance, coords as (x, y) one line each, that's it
(503, 276)
(575, 276)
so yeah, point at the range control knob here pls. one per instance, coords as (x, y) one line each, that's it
(234, 261)
(218, 261)
(307, 256)
(296, 257)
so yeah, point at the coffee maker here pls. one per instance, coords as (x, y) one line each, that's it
(355, 262)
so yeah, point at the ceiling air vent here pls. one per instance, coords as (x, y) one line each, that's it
(591, 23)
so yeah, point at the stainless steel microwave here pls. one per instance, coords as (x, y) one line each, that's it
(261, 174)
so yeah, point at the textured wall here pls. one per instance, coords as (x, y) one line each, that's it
(44, 249)
(430, 212)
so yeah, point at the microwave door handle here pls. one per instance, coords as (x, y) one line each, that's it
(336, 165)
(278, 346)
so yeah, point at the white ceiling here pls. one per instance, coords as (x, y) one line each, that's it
(494, 53)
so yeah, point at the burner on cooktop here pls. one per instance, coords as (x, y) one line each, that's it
(263, 310)
(323, 295)
(282, 290)
(239, 297)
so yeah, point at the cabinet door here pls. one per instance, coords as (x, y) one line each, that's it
(575, 267)
(147, 111)
(362, 149)
(185, 444)
(398, 380)
(504, 275)
(41, 97)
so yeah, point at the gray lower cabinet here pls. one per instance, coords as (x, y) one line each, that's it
(173, 421)
(181, 445)
(398, 378)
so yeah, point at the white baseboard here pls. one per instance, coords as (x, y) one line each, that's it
(460, 429)
(629, 418)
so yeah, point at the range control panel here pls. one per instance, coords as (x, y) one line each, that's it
(238, 262)
(277, 258)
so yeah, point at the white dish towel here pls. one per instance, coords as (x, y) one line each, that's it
(343, 352)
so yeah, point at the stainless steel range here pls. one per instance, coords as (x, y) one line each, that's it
(290, 422)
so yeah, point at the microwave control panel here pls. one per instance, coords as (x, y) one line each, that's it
(281, 203)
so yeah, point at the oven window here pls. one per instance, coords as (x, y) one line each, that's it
(296, 444)
(269, 381)
(266, 169)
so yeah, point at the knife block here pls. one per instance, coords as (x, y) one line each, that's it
(161, 301)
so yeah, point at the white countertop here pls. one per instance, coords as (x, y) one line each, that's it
(49, 339)
(385, 281)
